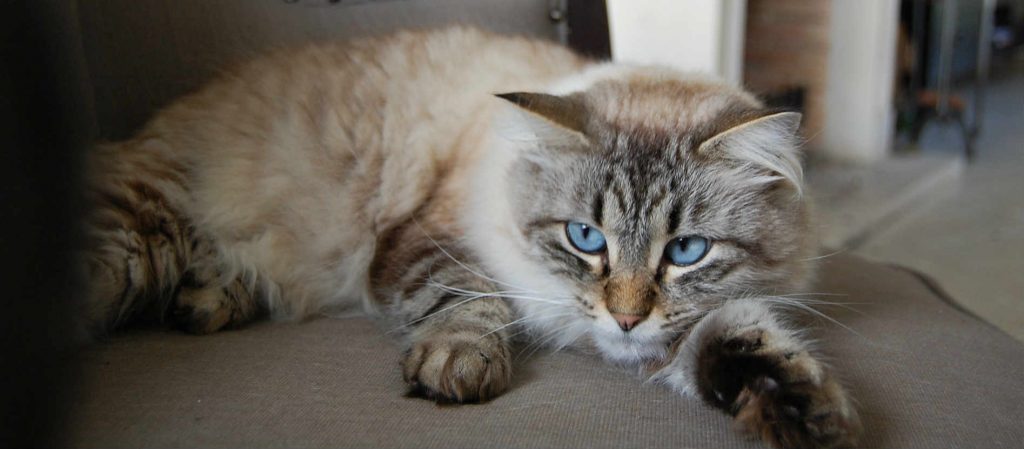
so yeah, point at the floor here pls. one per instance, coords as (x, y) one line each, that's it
(967, 230)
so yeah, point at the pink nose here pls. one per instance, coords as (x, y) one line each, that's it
(627, 322)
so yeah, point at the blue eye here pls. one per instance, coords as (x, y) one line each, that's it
(584, 237)
(687, 250)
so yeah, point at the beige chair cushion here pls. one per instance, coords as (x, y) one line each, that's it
(926, 375)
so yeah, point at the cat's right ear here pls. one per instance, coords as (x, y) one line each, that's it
(551, 119)
(769, 143)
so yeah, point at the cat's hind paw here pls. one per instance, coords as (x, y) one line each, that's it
(201, 311)
(447, 370)
(206, 309)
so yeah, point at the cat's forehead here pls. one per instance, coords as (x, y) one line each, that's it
(659, 130)
(663, 105)
(648, 126)
(653, 125)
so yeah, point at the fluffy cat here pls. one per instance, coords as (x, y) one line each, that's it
(644, 213)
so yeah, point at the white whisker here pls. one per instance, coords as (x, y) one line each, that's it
(464, 266)
(804, 307)
(571, 340)
(814, 294)
(818, 302)
(498, 294)
(518, 332)
(526, 317)
(824, 256)
(403, 326)
(546, 338)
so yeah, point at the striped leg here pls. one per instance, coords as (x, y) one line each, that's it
(136, 249)
(457, 347)
(140, 255)
(744, 361)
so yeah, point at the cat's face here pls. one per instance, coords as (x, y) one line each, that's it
(636, 226)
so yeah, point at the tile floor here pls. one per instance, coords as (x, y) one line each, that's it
(970, 234)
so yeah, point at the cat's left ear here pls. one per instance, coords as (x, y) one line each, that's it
(550, 117)
(770, 142)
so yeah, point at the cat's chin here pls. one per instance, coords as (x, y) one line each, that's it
(630, 349)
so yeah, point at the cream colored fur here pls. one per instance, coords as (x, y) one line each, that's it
(298, 160)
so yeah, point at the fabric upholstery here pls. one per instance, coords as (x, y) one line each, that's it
(925, 374)
(140, 55)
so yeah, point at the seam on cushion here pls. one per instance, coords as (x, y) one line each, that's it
(933, 286)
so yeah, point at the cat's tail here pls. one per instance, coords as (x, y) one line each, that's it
(136, 241)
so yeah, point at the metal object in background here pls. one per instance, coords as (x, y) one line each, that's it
(588, 28)
(583, 26)
(988, 14)
(558, 12)
(332, 2)
(945, 73)
(941, 104)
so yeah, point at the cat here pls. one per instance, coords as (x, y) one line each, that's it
(460, 185)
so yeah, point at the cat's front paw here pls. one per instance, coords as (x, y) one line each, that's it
(460, 371)
(797, 414)
(787, 399)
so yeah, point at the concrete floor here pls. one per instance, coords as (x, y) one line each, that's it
(854, 203)
(969, 235)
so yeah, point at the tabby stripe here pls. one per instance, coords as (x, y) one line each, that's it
(660, 198)
(720, 269)
(619, 196)
(146, 191)
(116, 201)
(696, 213)
(154, 273)
(711, 272)
(419, 274)
(674, 217)
(536, 225)
(440, 303)
(125, 295)
(557, 251)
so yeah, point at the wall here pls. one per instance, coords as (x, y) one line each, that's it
(699, 35)
(859, 112)
(787, 46)
(842, 51)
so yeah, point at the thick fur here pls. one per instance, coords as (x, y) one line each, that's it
(385, 173)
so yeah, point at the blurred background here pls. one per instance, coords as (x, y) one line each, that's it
(914, 119)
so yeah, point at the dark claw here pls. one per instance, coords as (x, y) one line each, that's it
(185, 318)
(765, 385)
(743, 345)
(821, 416)
(182, 311)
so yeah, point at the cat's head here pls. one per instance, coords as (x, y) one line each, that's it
(621, 209)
